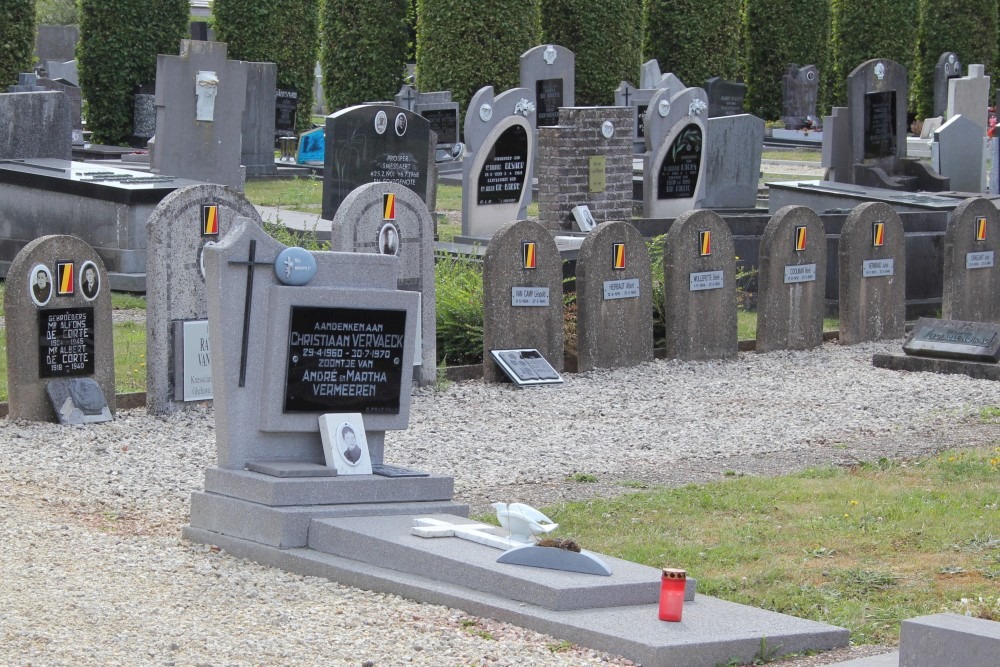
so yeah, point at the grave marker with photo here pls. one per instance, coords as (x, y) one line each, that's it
(971, 278)
(437, 107)
(673, 180)
(725, 98)
(948, 67)
(549, 73)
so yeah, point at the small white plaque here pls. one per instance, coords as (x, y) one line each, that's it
(196, 364)
(706, 280)
(607, 129)
(345, 445)
(979, 260)
(621, 289)
(800, 273)
(583, 217)
(529, 296)
(876, 268)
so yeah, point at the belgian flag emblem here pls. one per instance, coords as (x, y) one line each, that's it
(388, 207)
(800, 239)
(619, 256)
(878, 234)
(528, 252)
(704, 243)
(65, 284)
(210, 220)
(981, 229)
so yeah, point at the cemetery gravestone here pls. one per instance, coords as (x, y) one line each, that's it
(144, 114)
(733, 149)
(954, 339)
(199, 94)
(66, 71)
(614, 299)
(969, 96)
(958, 152)
(56, 42)
(376, 143)
(57, 306)
(636, 99)
(27, 82)
(836, 156)
(257, 155)
(75, 102)
(872, 259)
(948, 67)
(791, 283)
(971, 279)
(286, 107)
(35, 125)
(390, 219)
(178, 361)
(549, 73)
(699, 267)
(439, 110)
(522, 295)
(799, 92)
(725, 98)
(496, 170)
(675, 137)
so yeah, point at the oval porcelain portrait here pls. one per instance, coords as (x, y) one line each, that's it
(347, 443)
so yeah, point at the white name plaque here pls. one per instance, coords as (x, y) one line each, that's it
(621, 289)
(529, 296)
(706, 280)
(876, 268)
(979, 260)
(800, 273)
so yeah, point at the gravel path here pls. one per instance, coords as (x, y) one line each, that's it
(95, 573)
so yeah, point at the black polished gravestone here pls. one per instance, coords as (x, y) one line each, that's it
(725, 98)
(444, 123)
(954, 339)
(548, 98)
(502, 176)
(374, 143)
(65, 342)
(678, 175)
(286, 104)
(880, 124)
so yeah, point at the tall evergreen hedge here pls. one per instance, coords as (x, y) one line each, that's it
(463, 46)
(363, 50)
(777, 33)
(283, 32)
(17, 39)
(694, 39)
(606, 37)
(864, 29)
(967, 27)
(119, 42)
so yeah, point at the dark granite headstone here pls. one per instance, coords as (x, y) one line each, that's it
(35, 125)
(678, 174)
(504, 169)
(549, 97)
(799, 91)
(880, 129)
(286, 105)
(948, 67)
(971, 265)
(954, 339)
(725, 98)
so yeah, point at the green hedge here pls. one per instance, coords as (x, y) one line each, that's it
(778, 33)
(363, 50)
(463, 46)
(119, 42)
(284, 33)
(694, 39)
(606, 37)
(864, 29)
(17, 39)
(967, 27)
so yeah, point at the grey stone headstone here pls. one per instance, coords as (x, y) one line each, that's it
(78, 401)
(700, 289)
(508, 279)
(614, 298)
(369, 220)
(791, 282)
(496, 127)
(837, 146)
(201, 150)
(948, 67)
(872, 277)
(958, 151)
(649, 74)
(673, 179)
(733, 148)
(257, 155)
(35, 125)
(56, 42)
(876, 98)
(969, 96)
(61, 331)
(799, 92)
(971, 263)
(175, 279)
(67, 71)
(636, 99)
(725, 98)
(75, 96)
(548, 72)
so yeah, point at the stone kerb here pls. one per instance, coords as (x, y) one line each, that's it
(872, 257)
(791, 281)
(44, 324)
(673, 180)
(699, 268)
(614, 297)
(390, 219)
(177, 231)
(971, 278)
(522, 266)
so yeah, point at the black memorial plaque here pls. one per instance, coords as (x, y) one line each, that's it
(444, 122)
(548, 98)
(344, 360)
(65, 342)
(725, 98)
(526, 367)
(880, 124)
(502, 177)
(286, 104)
(640, 128)
(954, 339)
(678, 177)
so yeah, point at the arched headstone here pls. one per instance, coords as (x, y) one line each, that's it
(971, 278)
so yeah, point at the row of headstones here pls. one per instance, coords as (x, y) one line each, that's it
(523, 305)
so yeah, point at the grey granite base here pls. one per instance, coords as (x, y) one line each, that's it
(901, 362)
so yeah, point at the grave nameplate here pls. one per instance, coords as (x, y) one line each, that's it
(504, 170)
(979, 260)
(880, 124)
(548, 97)
(66, 342)
(526, 367)
(621, 289)
(678, 177)
(706, 280)
(800, 273)
(286, 105)
(954, 339)
(344, 360)
(876, 268)
(529, 296)
(192, 361)
(597, 173)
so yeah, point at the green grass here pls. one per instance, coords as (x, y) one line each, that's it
(297, 194)
(863, 548)
(797, 155)
(746, 324)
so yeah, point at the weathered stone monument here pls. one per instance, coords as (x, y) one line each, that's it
(948, 67)
(969, 96)
(614, 299)
(971, 272)
(958, 152)
(522, 295)
(791, 282)
(637, 101)
(799, 92)
(733, 149)
(872, 259)
(549, 73)
(585, 160)
(390, 219)
(57, 307)
(674, 163)
(437, 107)
(725, 98)
(35, 125)
(699, 288)
(178, 349)
(75, 95)
(259, 116)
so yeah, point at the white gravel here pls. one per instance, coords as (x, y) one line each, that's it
(94, 572)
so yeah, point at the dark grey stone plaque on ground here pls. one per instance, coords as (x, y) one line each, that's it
(954, 339)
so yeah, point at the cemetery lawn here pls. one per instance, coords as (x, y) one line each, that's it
(797, 155)
(862, 547)
(297, 194)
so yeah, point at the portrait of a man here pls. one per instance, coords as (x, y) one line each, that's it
(90, 283)
(388, 240)
(41, 285)
(400, 124)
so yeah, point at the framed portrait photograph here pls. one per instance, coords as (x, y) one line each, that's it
(345, 445)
